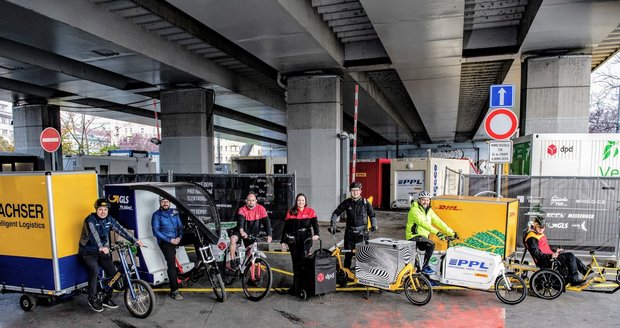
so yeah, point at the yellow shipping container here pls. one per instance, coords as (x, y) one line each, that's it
(484, 223)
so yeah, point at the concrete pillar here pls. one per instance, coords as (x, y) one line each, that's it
(555, 95)
(314, 119)
(28, 123)
(187, 131)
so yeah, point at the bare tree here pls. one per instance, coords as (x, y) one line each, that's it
(604, 97)
(76, 129)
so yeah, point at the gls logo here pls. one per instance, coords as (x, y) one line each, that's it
(468, 264)
(448, 208)
(553, 149)
(118, 199)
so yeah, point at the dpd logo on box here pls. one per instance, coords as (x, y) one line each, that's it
(553, 149)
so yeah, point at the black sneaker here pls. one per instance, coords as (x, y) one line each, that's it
(95, 305)
(176, 295)
(109, 304)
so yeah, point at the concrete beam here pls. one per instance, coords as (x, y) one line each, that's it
(35, 56)
(222, 129)
(192, 26)
(307, 17)
(116, 29)
(249, 119)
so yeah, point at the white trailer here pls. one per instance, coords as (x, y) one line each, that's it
(567, 154)
(258, 165)
(409, 176)
(110, 164)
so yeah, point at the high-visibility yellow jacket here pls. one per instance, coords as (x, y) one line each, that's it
(420, 223)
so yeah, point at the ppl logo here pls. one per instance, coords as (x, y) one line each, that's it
(552, 150)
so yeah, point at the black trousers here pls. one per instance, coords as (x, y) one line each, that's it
(170, 252)
(93, 262)
(299, 250)
(426, 245)
(573, 265)
(350, 239)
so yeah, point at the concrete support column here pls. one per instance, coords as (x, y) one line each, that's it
(187, 131)
(314, 119)
(555, 94)
(28, 123)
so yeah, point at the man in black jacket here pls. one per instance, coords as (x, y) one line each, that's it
(94, 250)
(358, 211)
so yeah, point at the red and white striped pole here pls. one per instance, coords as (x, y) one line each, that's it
(156, 120)
(354, 135)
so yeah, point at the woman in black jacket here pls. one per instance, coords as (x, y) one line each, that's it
(297, 224)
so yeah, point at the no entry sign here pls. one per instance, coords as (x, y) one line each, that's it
(50, 140)
(501, 123)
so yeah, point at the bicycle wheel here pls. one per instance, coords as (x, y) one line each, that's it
(218, 285)
(144, 302)
(511, 290)
(418, 289)
(256, 280)
(547, 284)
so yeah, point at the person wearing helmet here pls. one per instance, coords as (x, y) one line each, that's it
(358, 211)
(168, 230)
(538, 246)
(421, 220)
(94, 250)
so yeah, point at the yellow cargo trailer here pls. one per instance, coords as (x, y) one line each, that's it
(41, 216)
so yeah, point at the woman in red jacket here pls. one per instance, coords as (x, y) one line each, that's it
(297, 224)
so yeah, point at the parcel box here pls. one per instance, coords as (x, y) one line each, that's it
(41, 217)
(379, 261)
(484, 223)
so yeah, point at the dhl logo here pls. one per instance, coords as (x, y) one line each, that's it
(449, 208)
(512, 213)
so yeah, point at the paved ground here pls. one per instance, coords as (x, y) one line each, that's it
(343, 309)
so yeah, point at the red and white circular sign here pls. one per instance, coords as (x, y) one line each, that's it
(50, 140)
(501, 123)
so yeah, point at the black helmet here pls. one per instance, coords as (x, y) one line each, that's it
(102, 202)
(355, 184)
(540, 220)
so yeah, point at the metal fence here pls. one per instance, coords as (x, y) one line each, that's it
(583, 213)
(275, 192)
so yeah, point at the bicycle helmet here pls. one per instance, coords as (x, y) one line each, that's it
(539, 220)
(102, 202)
(355, 184)
(424, 194)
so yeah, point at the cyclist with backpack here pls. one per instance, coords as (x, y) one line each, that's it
(358, 211)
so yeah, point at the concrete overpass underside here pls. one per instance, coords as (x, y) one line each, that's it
(424, 67)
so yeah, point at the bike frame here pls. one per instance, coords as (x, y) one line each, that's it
(122, 251)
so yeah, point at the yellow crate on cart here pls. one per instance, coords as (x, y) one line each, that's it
(484, 223)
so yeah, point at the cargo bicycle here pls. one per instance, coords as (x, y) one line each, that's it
(480, 270)
(252, 266)
(549, 283)
(416, 286)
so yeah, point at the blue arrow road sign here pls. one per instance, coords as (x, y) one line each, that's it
(502, 95)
